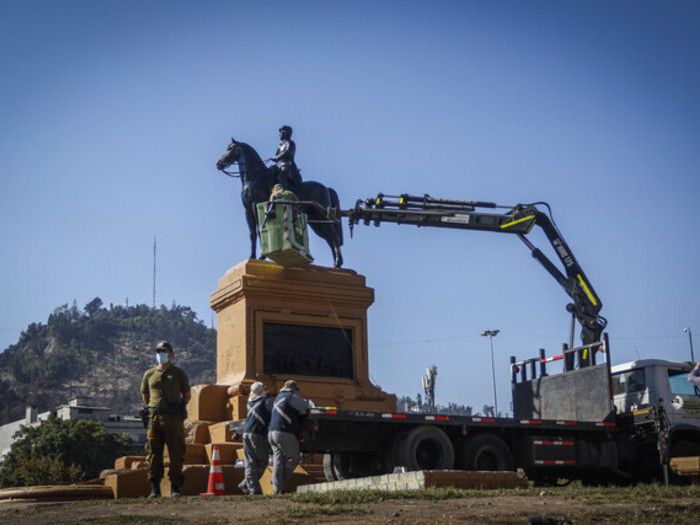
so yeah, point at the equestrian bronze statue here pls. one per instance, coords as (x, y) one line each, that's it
(258, 179)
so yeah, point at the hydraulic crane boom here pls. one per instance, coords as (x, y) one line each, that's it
(518, 220)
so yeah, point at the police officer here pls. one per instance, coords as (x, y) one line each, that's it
(166, 391)
(284, 431)
(255, 445)
(285, 166)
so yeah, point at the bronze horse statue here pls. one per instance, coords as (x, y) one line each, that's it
(258, 180)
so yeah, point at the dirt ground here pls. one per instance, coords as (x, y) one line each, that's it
(647, 504)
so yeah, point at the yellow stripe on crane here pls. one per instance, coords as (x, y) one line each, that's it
(516, 221)
(587, 290)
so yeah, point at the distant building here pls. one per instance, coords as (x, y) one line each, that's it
(80, 407)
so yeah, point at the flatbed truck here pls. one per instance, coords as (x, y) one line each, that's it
(561, 429)
(591, 420)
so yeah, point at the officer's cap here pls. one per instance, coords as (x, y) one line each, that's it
(164, 346)
(288, 128)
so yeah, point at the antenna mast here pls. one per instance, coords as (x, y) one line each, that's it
(155, 243)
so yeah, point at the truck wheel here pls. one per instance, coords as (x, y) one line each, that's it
(484, 452)
(348, 465)
(328, 470)
(423, 448)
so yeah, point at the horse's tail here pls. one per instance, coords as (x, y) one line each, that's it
(335, 203)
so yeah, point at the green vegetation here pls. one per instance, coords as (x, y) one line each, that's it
(101, 352)
(59, 451)
(651, 493)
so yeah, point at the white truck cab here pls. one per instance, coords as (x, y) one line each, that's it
(637, 385)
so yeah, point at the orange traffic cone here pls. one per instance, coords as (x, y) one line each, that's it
(216, 485)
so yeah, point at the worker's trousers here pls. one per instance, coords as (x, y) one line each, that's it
(257, 456)
(166, 430)
(285, 457)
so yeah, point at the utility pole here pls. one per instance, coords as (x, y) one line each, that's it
(690, 340)
(491, 334)
(155, 243)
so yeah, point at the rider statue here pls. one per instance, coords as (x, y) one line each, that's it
(287, 172)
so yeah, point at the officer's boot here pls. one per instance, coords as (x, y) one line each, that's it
(155, 489)
(174, 490)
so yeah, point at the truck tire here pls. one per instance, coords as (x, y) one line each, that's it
(338, 466)
(423, 448)
(484, 452)
(328, 469)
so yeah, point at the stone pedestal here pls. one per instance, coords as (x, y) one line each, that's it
(307, 324)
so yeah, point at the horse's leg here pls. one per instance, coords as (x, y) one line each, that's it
(337, 256)
(252, 229)
(327, 233)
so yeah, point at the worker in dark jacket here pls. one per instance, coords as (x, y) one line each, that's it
(255, 445)
(284, 432)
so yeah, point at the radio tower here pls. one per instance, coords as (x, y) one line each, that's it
(155, 244)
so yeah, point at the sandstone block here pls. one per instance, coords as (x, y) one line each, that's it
(196, 479)
(195, 454)
(125, 462)
(686, 466)
(299, 477)
(128, 483)
(197, 431)
(227, 452)
(208, 403)
(220, 432)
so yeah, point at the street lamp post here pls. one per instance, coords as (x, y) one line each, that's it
(491, 334)
(690, 340)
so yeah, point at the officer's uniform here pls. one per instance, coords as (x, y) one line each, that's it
(166, 390)
(255, 445)
(284, 429)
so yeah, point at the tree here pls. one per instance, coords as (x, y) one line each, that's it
(58, 451)
(93, 306)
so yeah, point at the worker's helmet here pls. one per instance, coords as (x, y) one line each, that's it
(164, 346)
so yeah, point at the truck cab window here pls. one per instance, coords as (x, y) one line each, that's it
(629, 382)
(679, 384)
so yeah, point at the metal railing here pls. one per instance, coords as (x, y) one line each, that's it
(573, 359)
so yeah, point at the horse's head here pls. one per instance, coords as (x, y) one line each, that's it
(230, 156)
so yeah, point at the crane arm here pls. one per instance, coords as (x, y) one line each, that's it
(519, 220)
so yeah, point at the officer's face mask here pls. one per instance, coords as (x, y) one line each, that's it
(162, 357)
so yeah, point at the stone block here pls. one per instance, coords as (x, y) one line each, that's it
(125, 462)
(220, 432)
(196, 480)
(207, 403)
(424, 479)
(128, 483)
(686, 466)
(197, 432)
(298, 478)
(227, 452)
(195, 454)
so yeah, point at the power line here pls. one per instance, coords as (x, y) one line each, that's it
(518, 334)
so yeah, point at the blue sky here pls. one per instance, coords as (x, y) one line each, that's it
(113, 114)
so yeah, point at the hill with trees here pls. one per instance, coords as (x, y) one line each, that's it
(101, 352)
